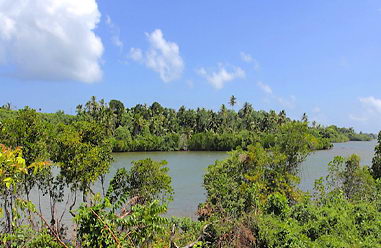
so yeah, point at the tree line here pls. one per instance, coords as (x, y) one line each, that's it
(156, 128)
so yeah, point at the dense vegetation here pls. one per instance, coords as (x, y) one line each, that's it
(252, 196)
(156, 128)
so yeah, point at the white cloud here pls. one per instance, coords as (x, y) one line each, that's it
(245, 57)
(367, 116)
(371, 103)
(371, 109)
(136, 54)
(265, 88)
(51, 39)
(221, 76)
(162, 56)
(117, 42)
(115, 33)
(288, 102)
(256, 65)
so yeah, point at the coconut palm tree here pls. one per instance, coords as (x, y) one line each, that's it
(233, 101)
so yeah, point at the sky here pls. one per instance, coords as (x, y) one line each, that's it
(318, 57)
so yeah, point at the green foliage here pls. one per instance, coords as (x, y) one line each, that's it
(252, 199)
(233, 101)
(156, 128)
(100, 227)
(6, 114)
(337, 135)
(139, 223)
(28, 131)
(100, 113)
(83, 152)
(97, 226)
(346, 175)
(146, 181)
(13, 168)
(117, 107)
(344, 213)
(277, 204)
(119, 187)
(146, 222)
(295, 142)
(243, 182)
(336, 223)
(24, 236)
(221, 142)
(376, 162)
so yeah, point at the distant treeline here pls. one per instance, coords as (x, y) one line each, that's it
(156, 128)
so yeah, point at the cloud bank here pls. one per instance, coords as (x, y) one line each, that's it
(51, 39)
(162, 56)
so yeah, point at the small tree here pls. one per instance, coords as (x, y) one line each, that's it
(101, 226)
(13, 168)
(146, 181)
(149, 180)
(346, 175)
(29, 131)
(139, 194)
(83, 151)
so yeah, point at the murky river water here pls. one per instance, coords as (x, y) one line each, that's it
(187, 170)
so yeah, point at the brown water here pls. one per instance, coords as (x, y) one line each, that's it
(316, 164)
(187, 170)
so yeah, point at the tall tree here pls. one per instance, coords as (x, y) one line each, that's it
(233, 101)
(117, 107)
(98, 112)
(7, 106)
(304, 117)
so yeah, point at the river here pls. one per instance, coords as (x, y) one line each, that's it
(187, 170)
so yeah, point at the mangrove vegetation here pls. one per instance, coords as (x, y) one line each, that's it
(252, 197)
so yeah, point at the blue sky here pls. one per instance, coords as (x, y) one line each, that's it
(319, 57)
